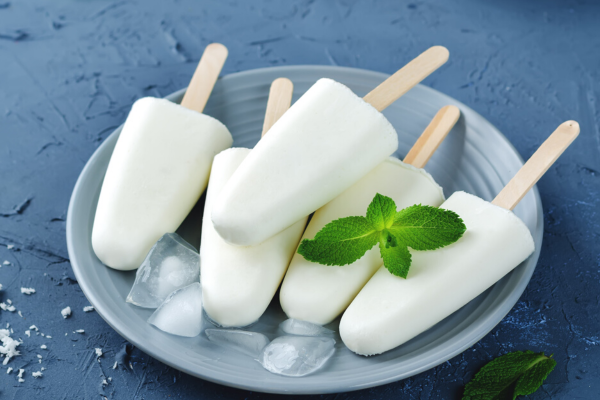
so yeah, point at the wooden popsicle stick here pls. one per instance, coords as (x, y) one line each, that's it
(407, 77)
(280, 99)
(537, 165)
(205, 77)
(432, 136)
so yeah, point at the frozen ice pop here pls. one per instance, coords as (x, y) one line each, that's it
(159, 169)
(390, 310)
(328, 140)
(318, 294)
(238, 282)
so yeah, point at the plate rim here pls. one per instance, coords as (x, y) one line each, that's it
(499, 311)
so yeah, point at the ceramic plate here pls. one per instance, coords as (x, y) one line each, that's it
(475, 157)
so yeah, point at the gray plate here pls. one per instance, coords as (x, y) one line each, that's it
(475, 157)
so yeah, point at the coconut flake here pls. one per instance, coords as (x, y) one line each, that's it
(66, 312)
(9, 346)
(28, 291)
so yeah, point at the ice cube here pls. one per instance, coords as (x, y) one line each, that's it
(172, 263)
(297, 355)
(302, 328)
(249, 343)
(181, 313)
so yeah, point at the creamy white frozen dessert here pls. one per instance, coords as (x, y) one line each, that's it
(328, 140)
(317, 293)
(238, 282)
(390, 310)
(157, 172)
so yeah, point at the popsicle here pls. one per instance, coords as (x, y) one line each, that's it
(318, 294)
(238, 283)
(159, 168)
(328, 140)
(390, 310)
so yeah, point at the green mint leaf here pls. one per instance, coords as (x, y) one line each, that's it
(427, 228)
(396, 257)
(340, 242)
(509, 376)
(381, 212)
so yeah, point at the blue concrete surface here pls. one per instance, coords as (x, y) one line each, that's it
(70, 70)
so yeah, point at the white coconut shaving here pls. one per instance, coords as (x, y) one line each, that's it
(88, 308)
(9, 346)
(37, 374)
(10, 246)
(27, 290)
(79, 331)
(43, 347)
(66, 312)
(7, 307)
(98, 352)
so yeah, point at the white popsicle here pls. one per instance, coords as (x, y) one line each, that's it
(159, 169)
(326, 142)
(390, 310)
(238, 282)
(318, 294)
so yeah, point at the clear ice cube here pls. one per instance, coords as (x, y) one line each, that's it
(171, 264)
(249, 343)
(181, 313)
(302, 328)
(297, 355)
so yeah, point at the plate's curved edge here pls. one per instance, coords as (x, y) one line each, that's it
(499, 312)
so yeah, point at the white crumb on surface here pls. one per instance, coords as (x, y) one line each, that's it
(28, 333)
(43, 347)
(6, 262)
(20, 314)
(66, 312)
(10, 246)
(104, 383)
(0, 286)
(33, 327)
(88, 308)
(21, 372)
(9, 346)
(115, 365)
(9, 301)
(98, 352)
(79, 331)
(9, 370)
(37, 374)
(47, 336)
(27, 290)
(7, 307)
(39, 356)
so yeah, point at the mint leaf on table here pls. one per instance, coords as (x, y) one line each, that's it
(345, 240)
(514, 374)
(427, 228)
(340, 242)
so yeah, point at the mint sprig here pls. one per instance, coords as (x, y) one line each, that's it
(514, 374)
(345, 240)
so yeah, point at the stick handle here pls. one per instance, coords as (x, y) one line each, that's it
(205, 77)
(407, 77)
(537, 165)
(280, 99)
(432, 136)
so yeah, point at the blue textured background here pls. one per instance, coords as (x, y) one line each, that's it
(70, 70)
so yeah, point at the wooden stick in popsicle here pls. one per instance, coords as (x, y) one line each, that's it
(407, 77)
(205, 77)
(280, 99)
(432, 136)
(537, 165)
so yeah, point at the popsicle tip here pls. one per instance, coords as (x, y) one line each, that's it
(218, 48)
(572, 127)
(452, 110)
(284, 83)
(440, 52)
